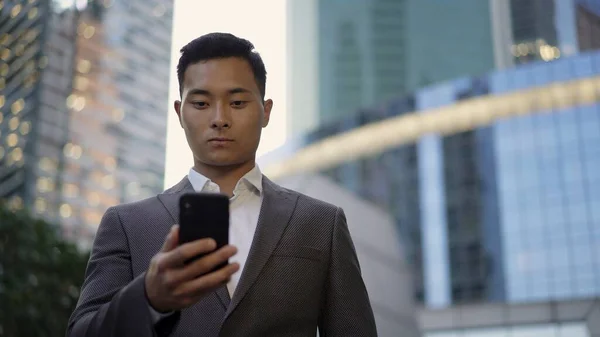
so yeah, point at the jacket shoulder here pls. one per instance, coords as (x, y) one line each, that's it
(145, 203)
(311, 205)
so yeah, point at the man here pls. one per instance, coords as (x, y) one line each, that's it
(295, 269)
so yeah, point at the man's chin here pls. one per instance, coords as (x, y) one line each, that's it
(223, 162)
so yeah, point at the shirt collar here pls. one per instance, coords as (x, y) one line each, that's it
(252, 179)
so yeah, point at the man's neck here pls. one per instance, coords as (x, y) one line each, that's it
(226, 177)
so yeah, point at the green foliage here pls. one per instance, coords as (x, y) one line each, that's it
(40, 276)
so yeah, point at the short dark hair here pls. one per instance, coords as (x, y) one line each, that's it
(221, 45)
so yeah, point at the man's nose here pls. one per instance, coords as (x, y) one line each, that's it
(221, 118)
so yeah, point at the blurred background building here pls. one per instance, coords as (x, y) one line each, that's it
(488, 156)
(345, 55)
(83, 88)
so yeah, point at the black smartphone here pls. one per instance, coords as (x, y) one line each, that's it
(204, 215)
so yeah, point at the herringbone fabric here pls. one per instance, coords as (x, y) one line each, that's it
(302, 272)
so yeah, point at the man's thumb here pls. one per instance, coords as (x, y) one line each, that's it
(172, 239)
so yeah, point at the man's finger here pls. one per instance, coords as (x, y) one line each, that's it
(208, 282)
(204, 265)
(178, 256)
(171, 240)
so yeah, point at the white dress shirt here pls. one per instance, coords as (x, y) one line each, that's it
(244, 208)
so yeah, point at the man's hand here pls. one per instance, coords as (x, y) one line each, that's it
(171, 285)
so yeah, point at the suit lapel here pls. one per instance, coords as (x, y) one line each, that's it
(275, 212)
(170, 198)
(223, 295)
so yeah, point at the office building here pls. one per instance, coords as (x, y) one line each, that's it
(348, 55)
(504, 205)
(97, 115)
(490, 174)
(343, 55)
(588, 24)
(119, 108)
(38, 47)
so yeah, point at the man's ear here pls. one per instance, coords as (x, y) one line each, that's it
(177, 106)
(268, 105)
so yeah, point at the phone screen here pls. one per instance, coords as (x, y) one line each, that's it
(204, 215)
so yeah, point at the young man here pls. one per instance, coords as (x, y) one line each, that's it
(293, 267)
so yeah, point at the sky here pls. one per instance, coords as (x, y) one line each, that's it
(260, 21)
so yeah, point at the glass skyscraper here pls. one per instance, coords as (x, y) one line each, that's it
(90, 106)
(38, 47)
(492, 177)
(493, 181)
(548, 174)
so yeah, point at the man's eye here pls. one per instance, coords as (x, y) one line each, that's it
(238, 104)
(199, 104)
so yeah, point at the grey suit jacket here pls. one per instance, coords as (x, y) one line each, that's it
(302, 273)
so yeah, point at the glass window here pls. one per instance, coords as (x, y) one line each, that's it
(533, 218)
(583, 66)
(582, 254)
(590, 132)
(500, 82)
(585, 284)
(578, 213)
(559, 257)
(563, 290)
(540, 291)
(554, 214)
(593, 177)
(523, 77)
(541, 75)
(537, 239)
(567, 131)
(589, 122)
(574, 191)
(596, 61)
(545, 136)
(595, 210)
(561, 70)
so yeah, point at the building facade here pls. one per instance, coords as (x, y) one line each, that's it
(502, 204)
(588, 24)
(97, 131)
(343, 55)
(469, 39)
(348, 55)
(38, 47)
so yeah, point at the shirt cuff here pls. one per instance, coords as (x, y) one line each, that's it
(157, 316)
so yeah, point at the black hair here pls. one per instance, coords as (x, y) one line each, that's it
(221, 45)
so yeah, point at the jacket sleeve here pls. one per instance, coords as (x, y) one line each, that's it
(112, 302)
(346, 309)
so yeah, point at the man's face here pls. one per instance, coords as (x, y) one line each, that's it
(222, 111)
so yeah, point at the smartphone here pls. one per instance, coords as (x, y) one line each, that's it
(204, 215)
